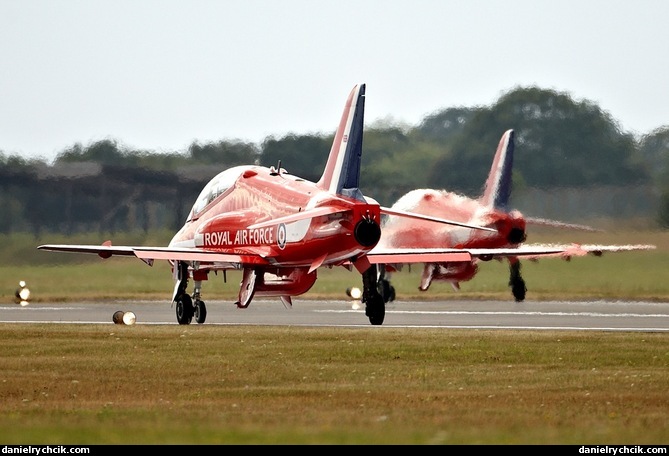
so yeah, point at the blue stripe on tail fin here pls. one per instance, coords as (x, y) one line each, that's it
(342, 170)
(497, 191)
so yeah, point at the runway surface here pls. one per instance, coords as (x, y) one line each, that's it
(590, 316)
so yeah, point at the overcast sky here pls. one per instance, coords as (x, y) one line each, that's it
(160, 74)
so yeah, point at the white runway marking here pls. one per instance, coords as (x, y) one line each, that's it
(508, 313)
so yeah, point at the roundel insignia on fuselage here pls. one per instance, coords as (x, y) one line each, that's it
(281, 235)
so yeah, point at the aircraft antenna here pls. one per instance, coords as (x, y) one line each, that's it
(276, 171)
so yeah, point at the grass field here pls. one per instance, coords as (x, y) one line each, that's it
(142, 384)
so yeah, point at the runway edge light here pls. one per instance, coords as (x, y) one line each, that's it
(124, 318)
(354, 292)
(22, 294)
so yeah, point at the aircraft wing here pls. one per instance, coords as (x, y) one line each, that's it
(566, 251)
(413, 215)
(447, 255)
(327, 210)
(148, 254)
(530, 251)
(424, 255)
(558, 224)
(103, 250)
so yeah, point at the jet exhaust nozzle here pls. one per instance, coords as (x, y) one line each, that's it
(367, 232)
(516, 236)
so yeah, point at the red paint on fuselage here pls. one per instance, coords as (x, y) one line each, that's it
(263, 195)
(401, 232)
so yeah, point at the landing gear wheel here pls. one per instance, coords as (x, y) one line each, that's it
(375, 310)
(184, 309)
(386, 290)
(375, 305)
(200, 311)
(519, 290)
(516, 282)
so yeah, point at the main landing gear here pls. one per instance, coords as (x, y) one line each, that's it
(384, 287)
(188, 306)
(516, 282)
(375, 306)
(387, 292)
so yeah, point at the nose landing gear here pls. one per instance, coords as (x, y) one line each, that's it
(188, 307)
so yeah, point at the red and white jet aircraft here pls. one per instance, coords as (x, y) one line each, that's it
(490, 210)
(279, 229)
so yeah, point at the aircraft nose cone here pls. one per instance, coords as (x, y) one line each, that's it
(367, 233)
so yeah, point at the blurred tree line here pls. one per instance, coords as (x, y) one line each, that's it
(560, 143)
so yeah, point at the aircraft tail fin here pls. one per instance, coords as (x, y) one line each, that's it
(497, 190)
(342, 170)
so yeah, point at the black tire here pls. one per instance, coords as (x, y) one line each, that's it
(376, 310)
(386, 290)
(200, 312)
(184, 309)
(519, 290)
(377, 316)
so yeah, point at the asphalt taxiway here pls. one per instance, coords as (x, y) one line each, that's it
(534, 315)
